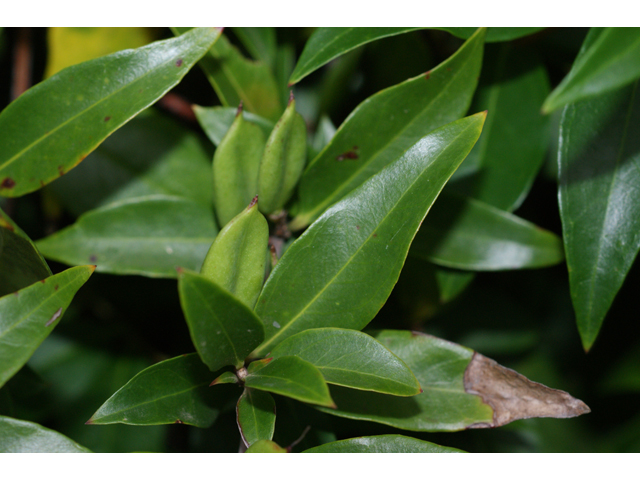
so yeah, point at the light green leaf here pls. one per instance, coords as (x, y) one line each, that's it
(173, 391)
(291, 377)
(608, 59)
(470, 235)
(223, 329)
(260, 42)
(352, 359)
(266, 446)
(341, 270)
(53, 126)
(149, 236)
(256, 414)
(382, 444)
(364, 144)
(599, 169)
(29, 315)
(19, 436)
(216, 121)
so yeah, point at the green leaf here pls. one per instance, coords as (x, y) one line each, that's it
(470, 235)
(266, 446)
(260, 42)
(494, 34)
(225, 377)
(364, 145)
(151, 155)
(341, 270)
(328, 43)
(216, 121)
(462, 389)
(53, 126)
(173, 391)
(608, 59)
(351, 359)
(256, 414)
(148, 236)
(237, 79)
(19, 436)
(29, 315)
(291, 377)
(20, 262)
(237, 259)
(451, 283)
(223, 329)
(599, 160)
(512, 146)
(382, 444)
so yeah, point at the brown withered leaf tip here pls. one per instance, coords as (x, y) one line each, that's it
(513, 396)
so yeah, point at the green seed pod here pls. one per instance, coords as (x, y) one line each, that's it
(237, 258)
(236, 164)
(283, 160)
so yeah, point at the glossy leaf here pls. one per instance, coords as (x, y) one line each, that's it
(225, 377)
(173, 391)
(494, 34)
(19, 436)
(256, 414)
(598, 163)
(236, 164)
(29, 315)
(364, 144)
(462, 389)
(266, 446)
(327, 43)
(382, 444)
(148, 236)
(291, 377)
(237, 79)
(470, 235)
(512, 146)
(43, 139)
(609, 59)
(216, 121)
(151, 155)
(20, 262)
(237, 259)
(341, 270)
(223, 329)
(352, 359)
(260, 42)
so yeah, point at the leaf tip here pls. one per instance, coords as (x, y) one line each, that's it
(253, 203)
(291, 97)
(239, 110)
(89, 422)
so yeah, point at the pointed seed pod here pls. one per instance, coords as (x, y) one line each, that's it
(283, 160)
(236, 163)
(237, 258)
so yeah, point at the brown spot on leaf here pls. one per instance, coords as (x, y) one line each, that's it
(357, 227)
(179, 422)
(60, 170)
(375, 235)
(512, 396)
(8, 182)
(179, 62)
(54, 317)
(348, 155)
(107, 118)
(42, 281)
(42, 183)
(56, 287)
(253, 202)
(427, 75)
(93, 258)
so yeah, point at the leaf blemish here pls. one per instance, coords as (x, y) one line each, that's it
(8, 183)
(55, 317)
(106, 119)
(56, 288)
(61, 170)
(179, 62)
(348, 155)
(276, 324)
(427, 75)
(93, 258)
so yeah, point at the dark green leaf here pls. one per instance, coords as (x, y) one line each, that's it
(609, 59)
(599, 160)
(364, 145)
(341, 270)
(512, 146)
(266, 446)
(291, 377)
(225, 377)
(53, 126)
(451, 283)
(18, 436)
(462, 389)
(173, 391)
(151, 155)
(29, 315)
(352, 359)
(215, 121)
(260, 42)
(328, 43)
(148, 236)
(223, 330)
(237, 79)
(470, 235)
(20, 262)
(382, 444)
(494, 34)
(256, 413)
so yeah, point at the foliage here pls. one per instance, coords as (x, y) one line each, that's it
(265, 279)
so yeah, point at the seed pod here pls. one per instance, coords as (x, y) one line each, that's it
(283, 160)
(236, 164)
(237, 258)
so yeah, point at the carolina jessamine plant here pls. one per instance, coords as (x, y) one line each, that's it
(312, 228)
